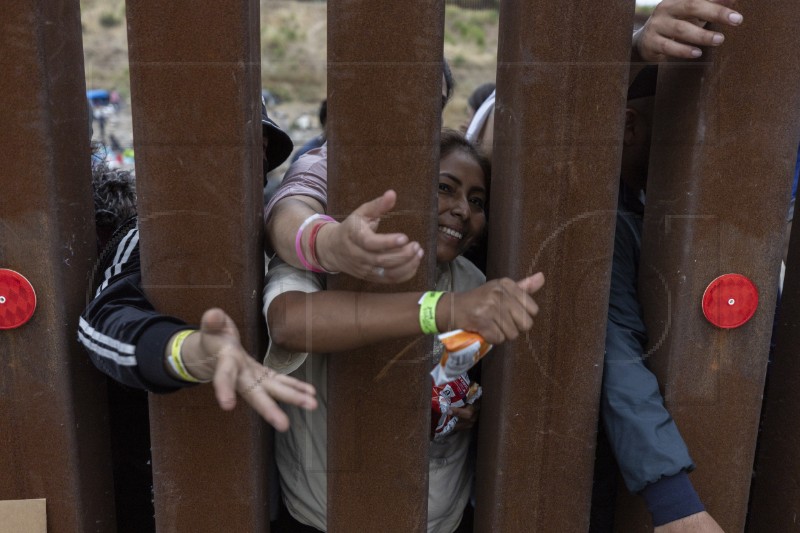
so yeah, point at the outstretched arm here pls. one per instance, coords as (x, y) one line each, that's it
(129, 340)
(333, 321)
(677, 29)
(214, 352)
(353, 246)
(649, 449)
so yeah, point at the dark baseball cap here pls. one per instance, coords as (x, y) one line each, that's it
(279, 145)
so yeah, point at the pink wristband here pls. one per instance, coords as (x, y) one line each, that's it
(312, 246)
(298, 247)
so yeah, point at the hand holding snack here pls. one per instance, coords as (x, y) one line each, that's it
(450, 402)
(498, 310)
(466, 417)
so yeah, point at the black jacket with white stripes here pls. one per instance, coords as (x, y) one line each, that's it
(124, 335)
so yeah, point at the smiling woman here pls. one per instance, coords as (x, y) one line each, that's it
(463, 196)
(307, 324)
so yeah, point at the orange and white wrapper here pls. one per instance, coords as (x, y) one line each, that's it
(462, 349)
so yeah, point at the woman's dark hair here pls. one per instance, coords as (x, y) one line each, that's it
(452, 140)
(449, 82)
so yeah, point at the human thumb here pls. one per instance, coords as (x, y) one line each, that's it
(375, 209)
(216, 321)
(531, 284)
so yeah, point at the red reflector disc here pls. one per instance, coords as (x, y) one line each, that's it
(17, 299)
(730, 300)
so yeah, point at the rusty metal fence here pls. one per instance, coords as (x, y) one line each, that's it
(719, 188)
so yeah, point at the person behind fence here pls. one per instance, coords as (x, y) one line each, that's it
(303, 344)
(115, 203)
(640, 432)
(128, 339)
(317, 140)
(645, 441)
(352, 248)
(675, 29)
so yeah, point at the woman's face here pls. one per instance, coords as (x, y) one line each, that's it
(462, 199)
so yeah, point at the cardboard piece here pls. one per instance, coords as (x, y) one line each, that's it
(23, 516)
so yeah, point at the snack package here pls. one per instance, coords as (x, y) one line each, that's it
(462, 349)
(456, 393)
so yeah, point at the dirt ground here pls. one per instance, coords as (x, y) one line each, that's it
(294, 58)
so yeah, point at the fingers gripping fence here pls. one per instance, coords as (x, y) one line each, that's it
(724, 141)
(713, 379)
(719, 182)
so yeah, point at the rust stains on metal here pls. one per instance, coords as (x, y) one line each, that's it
(561, 81)
(54, 427)
(195, 87)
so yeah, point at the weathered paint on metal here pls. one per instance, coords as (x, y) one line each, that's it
(561, 78)
(195, 86)
(725, 137)
(384, 101)
(53, 428)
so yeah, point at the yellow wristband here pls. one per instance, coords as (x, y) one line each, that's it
(176, 360)
(427, 312)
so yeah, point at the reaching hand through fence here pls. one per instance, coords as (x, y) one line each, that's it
(215, 353)
(356, 248)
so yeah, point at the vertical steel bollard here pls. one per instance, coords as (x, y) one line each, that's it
(561, 77)
(384, 103)
(54, 427)
(725, 135)
(775, 499)
(196, 98)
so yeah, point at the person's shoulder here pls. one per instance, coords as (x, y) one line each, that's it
(465, 273)
(310, 159)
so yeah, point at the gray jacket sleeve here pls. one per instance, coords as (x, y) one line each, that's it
(643, 436)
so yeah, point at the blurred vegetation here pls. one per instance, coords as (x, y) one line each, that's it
(110, 20)
(294, 48)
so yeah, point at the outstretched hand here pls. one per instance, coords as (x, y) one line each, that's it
(354, 247)
(677, 28)
(216, 351)
(499, 310)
